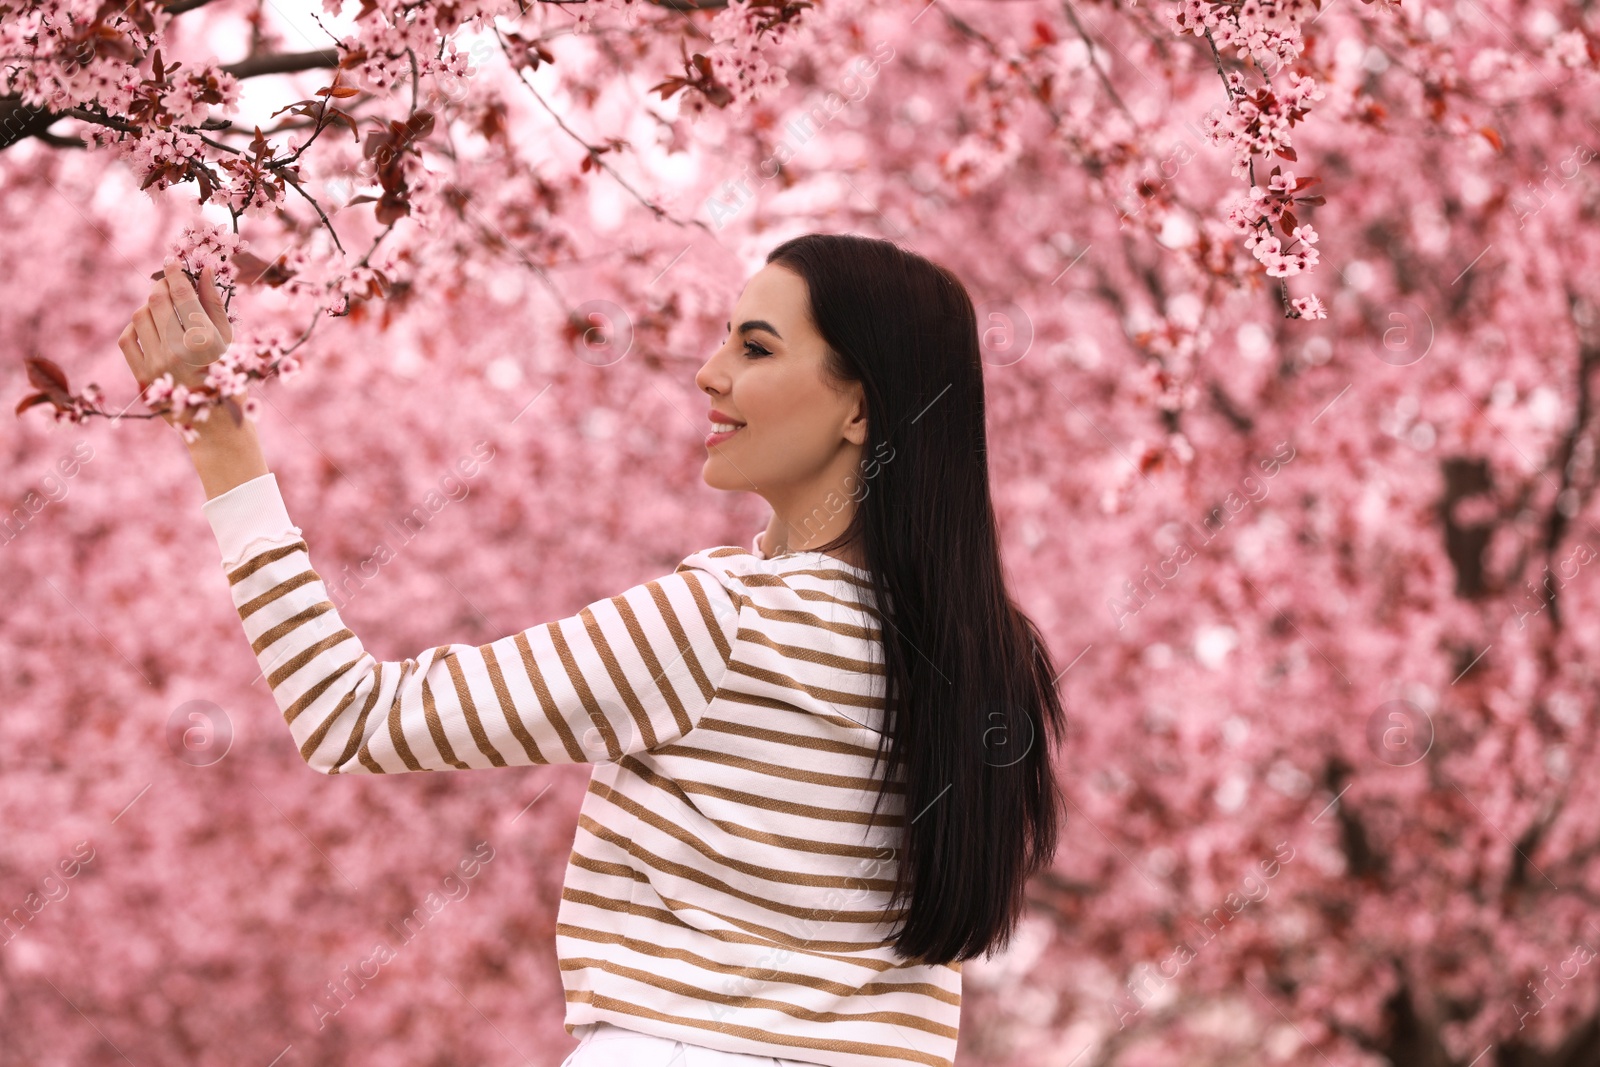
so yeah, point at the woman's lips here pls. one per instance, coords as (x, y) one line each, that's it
(715, 438)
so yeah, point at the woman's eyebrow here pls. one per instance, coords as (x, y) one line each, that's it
(756, 324)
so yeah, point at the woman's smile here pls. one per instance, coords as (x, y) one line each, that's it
(722, 428)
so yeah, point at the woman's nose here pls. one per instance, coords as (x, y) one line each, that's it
(707, 380)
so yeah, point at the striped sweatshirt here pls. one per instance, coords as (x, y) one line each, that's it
(723, 887)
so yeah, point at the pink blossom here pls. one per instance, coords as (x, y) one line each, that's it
(1309, 307)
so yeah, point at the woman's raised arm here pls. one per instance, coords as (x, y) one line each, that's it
(625, 674)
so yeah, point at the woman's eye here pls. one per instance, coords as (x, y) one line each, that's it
(755, 350)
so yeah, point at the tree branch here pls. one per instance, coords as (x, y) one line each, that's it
(285, 63)
(19, 121)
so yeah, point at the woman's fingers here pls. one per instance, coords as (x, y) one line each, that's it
(129, 343)
(149, 339)
(177, 332)
(189, 315)
(211, 300)
(164, 319)
(184, 325)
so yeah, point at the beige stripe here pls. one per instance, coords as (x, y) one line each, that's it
(310, 696)
(354, 740)
(271, 555)
(777, 770)
(837, 951)
(530, 666)
(685, 786)
(771, 874)
(816, 692)
(779, 737)
(693, 992)
(708, 617)
(306, 655)
(832, 574)
(826, 597)
(795, 844)
(691, 655)
(436, 728)
(397, 736)
(806, 618)
(469, 710)
(681, 870)
(580, 683)
(759, 974)
(619, 676)
(811, 655)
(860, 1048)
(508, 707)
(606, 867)
(821, 596)
(842, 952)
(776, 704)
(313, 742)
(828, 571)
(272, 634)
(283, 588)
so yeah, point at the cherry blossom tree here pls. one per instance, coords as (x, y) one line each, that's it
(1289, 311)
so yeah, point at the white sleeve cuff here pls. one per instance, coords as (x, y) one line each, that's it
(249, 512)
(755, 545)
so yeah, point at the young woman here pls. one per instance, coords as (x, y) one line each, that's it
(821, 766)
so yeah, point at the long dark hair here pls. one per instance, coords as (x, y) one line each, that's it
(971, 704)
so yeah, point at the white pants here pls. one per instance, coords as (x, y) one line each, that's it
(606, 1045)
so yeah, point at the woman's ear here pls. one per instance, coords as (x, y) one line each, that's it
(855, 431)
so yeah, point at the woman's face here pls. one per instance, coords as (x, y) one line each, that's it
(799, 438)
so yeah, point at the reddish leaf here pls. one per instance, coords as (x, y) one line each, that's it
(1287, 153)
(376, 140)
(304, 105)
(253, 270)
(668, 87)
(28, 401)
(420, 124)
(391, 209)
(335, 115)
(203, 178)
(46, 375)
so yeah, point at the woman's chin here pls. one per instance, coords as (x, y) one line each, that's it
(718, 475)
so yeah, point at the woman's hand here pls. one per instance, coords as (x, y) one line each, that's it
(177, 332)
